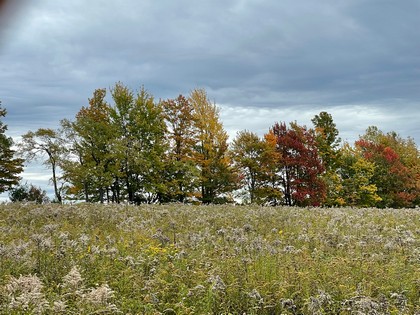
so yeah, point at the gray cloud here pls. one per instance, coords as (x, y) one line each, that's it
(271, 60)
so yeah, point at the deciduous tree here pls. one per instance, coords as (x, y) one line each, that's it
(357, 187)
(25, 192)
(45, 144)
(180, 168)
(255, 160)
(141, 144)
(93, 168)
(300, 166)
(396, 167)
(211, 149)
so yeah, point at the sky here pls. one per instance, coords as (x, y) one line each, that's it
(260, 61)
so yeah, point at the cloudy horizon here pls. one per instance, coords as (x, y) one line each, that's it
(260, 61)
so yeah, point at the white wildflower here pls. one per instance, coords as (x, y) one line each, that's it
(25, 293)
(217, 284)
(99, 296)
(59, 307)
(73, 281)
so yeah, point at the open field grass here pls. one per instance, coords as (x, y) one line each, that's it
(184, 259)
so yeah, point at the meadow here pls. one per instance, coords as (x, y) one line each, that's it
(186, 259)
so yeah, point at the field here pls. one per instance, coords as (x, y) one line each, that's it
(185, 259)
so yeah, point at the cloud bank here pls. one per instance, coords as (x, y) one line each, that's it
(260, 61)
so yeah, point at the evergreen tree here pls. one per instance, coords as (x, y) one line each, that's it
(10, 167)
(328, 143)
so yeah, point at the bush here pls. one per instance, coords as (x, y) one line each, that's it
(25, 192)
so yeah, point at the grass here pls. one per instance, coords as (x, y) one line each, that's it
(184, 259)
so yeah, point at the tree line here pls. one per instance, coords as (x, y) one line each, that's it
(140, 150)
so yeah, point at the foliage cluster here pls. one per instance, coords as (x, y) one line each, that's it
(28, 193)
(186, 259)
(139, 150)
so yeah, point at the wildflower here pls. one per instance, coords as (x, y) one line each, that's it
(255, 295)
(197, 290)
(73, 281)
(59, 307)
(319, 303)
(161, 237)
(50, 228)
(84, 239)
(99, 296)
(400, 301)
(217, 284)
(288, 304)
(112, 252)
(25, 293)
(41, 241)
(362, 305)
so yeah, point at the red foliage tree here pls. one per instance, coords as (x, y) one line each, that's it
(395, 181)
(300, 166)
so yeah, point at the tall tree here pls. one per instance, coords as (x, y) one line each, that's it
(211, 149)
(141, 144)
(94, 168)
(300, 166)
(10, 167)
(180, 167)
(255, 160)
(328, 143)
(45, 144)
(327, 139)
(270, 193)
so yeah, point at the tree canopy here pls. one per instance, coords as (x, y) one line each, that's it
(126, 146)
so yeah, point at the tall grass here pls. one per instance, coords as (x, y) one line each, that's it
(184, 259)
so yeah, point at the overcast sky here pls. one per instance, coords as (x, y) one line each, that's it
(261, 61)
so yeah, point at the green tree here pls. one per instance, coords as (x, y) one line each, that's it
(45, 144)
(140, 143)
(211, 149)
(180, 168)
(327, 140)
(253, 159)
(328, 143)
(94, 168)
(356, 187)
(10, 167)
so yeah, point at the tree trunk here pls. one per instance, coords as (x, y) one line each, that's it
(54, 179)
